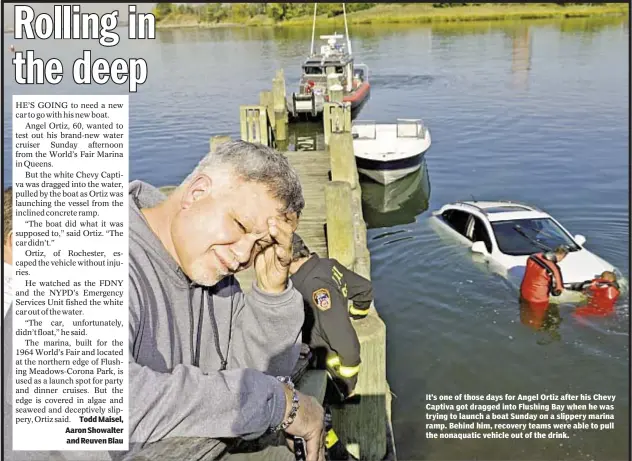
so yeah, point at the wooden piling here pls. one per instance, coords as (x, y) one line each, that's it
(336, 119)
(332, 79)
(280, 106)
(343, 163)
(266, 99)
(335, 93)
(362, 425)
(339, 219)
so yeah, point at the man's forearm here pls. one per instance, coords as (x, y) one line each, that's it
(189, 403)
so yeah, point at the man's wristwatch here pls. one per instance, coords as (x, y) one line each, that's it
(295, 405)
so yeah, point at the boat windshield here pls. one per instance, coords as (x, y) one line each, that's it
(318, 70)
(521, 237)
(313, 70)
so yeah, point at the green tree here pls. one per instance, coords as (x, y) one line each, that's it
(162, 9)
(239, 11)
(213, 12)
(276, 11)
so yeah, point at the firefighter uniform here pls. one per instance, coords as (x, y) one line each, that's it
(333, 295)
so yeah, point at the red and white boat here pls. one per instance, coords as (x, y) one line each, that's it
(334, 63)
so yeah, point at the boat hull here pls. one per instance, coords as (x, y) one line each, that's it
(397, 203)
(386, 172)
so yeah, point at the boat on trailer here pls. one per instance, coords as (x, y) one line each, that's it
(388, 152)
(333, 65)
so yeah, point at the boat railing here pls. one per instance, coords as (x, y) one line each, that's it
(364, 129)
(410, 128)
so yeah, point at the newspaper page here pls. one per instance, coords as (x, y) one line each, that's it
(437, 267)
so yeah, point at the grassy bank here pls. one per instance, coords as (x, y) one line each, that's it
(418, 13)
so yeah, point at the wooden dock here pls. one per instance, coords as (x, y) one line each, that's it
(331, 225)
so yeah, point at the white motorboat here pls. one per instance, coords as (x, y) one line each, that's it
(388, 152)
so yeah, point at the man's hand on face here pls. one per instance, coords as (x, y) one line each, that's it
(272, 265)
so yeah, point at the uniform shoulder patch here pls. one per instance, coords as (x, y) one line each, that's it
(322, 299)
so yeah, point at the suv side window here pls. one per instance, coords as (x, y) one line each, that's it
(481, 234)
(457, 219)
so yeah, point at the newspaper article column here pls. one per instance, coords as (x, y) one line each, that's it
(70, 311)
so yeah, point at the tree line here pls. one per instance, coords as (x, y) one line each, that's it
(238, 12)
(241, 12)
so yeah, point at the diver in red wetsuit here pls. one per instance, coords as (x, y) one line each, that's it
(543, 277)
(544, 318)
(602, 293)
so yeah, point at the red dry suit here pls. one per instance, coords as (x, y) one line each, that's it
(542, 277)
(533, 314)
(602, 295)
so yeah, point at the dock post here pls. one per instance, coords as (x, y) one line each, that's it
(363, 256)
(332, 79)
(217, 140)
(280, 106)
(335, 93)
(336, 118)
(266, 99)
(339, 219)
(343, 163)
(327, 121)
(362, 425)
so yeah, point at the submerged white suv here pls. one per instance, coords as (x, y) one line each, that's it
(506, 233)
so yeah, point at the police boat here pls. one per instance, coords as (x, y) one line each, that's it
(334, 65)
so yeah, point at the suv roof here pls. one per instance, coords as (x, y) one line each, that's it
(500, 206)
(503, 210)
